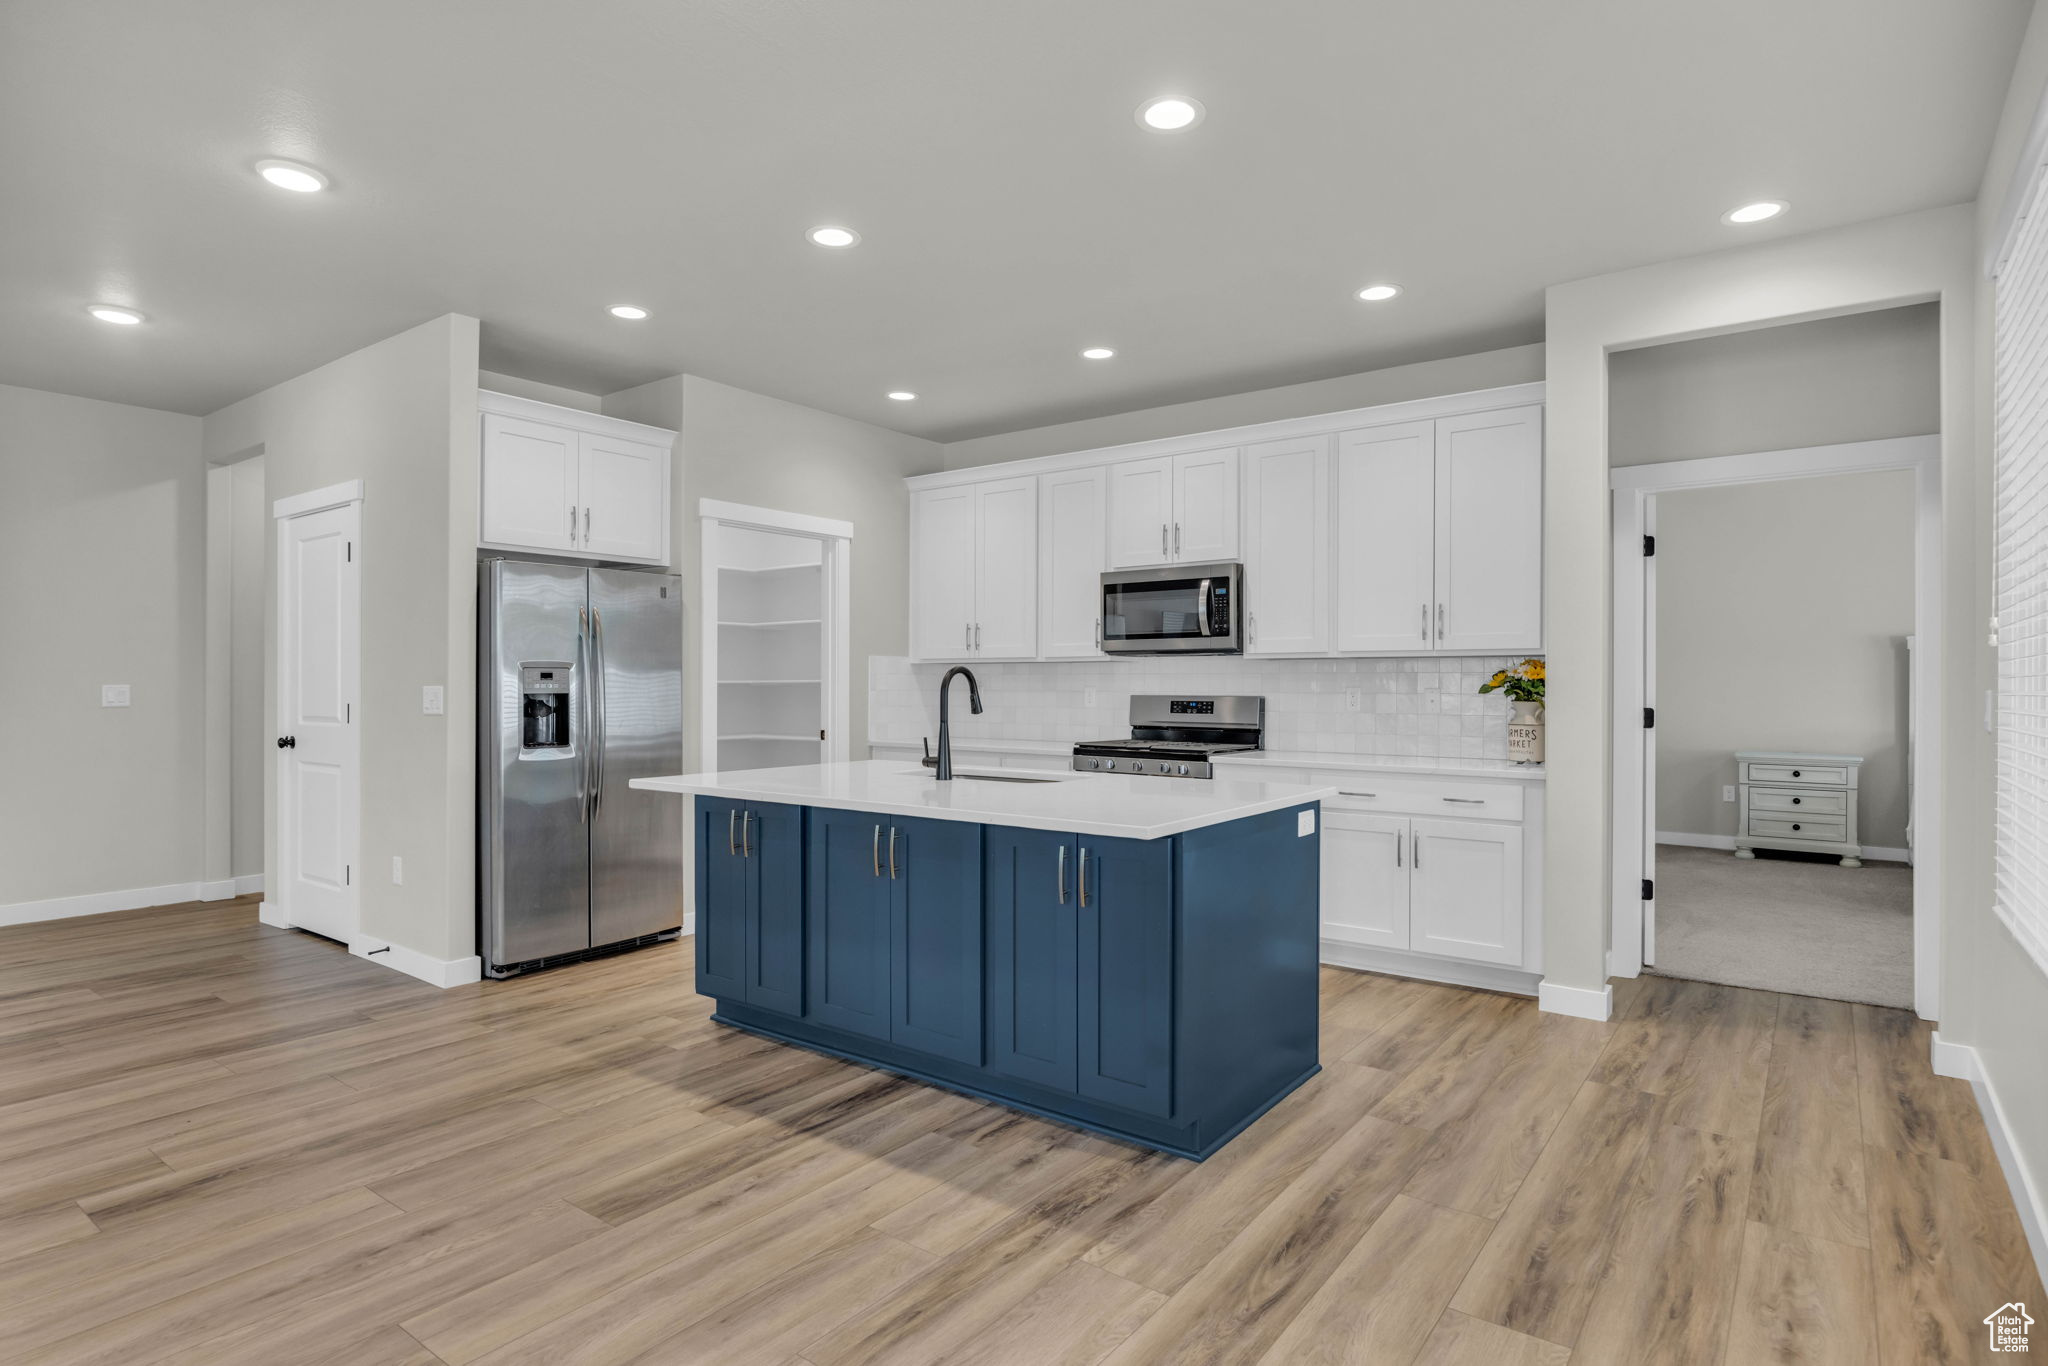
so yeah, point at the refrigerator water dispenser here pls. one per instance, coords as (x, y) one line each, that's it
(544, 705)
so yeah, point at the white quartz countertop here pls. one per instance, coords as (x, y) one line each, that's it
(1419, 766)
(1108, 804)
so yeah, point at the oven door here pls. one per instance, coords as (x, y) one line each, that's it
(1177, 609)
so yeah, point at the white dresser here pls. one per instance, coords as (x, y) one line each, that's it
(1797, 802)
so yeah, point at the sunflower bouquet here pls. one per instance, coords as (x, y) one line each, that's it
(1523, 683)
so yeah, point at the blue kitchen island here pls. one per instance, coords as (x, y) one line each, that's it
(1136, 956)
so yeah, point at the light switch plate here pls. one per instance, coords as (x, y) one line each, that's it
(1304, 824)
(1728, 794)
(433, 701)
(1354, 698)
(397, 870)
(113, 694)
(1087, 697)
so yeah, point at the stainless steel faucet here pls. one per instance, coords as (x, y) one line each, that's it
(945, 773)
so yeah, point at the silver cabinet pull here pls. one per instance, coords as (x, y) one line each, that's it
(1098, 633)
(1418, 850)
(1162, 540)
(1253, 619)
(1439, 623)
(1063, 875)
(892, 853)
(1397, 851)
(977, 635)
(875, 851)
(746, 838)
(1176, 538)
(732, 845)
(1425, 621)
(966, 635)
(586, 527)
(572, 524)
(1342, 793)
(1467, 801)
(1082, 881)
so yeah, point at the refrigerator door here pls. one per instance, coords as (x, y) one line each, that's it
(636, 838)
(534, 874)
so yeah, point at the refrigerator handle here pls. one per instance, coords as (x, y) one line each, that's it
(583, 664)
(597, 732)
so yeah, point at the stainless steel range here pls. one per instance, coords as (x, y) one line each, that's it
(1176, 737)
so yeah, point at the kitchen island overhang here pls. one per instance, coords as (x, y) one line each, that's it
(1134, 956)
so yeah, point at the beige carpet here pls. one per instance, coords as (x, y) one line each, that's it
(1786, 922)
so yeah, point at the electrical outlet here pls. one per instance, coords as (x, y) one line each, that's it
(397, 870)
(1728, 794)
(113, 694)
(1088, 697)
(432, 700)
(1354, 698)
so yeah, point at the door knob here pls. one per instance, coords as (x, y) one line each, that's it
(287, 742)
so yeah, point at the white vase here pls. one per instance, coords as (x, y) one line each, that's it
(1525, 732)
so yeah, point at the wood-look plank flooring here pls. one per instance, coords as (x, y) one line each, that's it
(222, 1143)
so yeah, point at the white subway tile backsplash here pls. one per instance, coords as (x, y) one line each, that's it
(1426, 707)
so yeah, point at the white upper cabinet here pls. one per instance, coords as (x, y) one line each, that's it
(1174, 509)
(572, 483)
(974, 571)
(1489, 530)
(1140, 513)
(1073, 539)
(529, 489)
(1386, 542)
(1287, 545)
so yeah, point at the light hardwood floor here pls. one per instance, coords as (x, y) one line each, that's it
(222, 1143)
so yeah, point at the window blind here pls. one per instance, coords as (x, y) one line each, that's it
(2020, 531)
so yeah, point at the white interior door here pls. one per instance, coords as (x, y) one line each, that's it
(1466, 898)
(1385, 561)
(1140, 512)
(1365, 879)
(942, 564)
(1205, 506)
(318, 671)
(1650, 736)
(529, 485)
(1073, 532)
(1489, 530)
(624, 490)
(1287, 549)
(1006, 569)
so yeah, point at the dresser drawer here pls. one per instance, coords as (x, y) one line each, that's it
(1788, 773)
(1422, 796)
(1828, 829)
(1799, 801)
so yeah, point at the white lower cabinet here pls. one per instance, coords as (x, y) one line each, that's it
(1465, 892)
(1365, 879)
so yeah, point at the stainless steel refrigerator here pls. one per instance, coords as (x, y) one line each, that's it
(580, 690)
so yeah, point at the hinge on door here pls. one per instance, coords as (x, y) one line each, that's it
(1649, 890)
(351, 551)
(347, 875)
(1649, 718)
(1649, 546)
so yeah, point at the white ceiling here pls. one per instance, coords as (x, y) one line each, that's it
(531, 162)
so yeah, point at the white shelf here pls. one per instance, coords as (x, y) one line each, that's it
(793, 739)
(769, 682)
(767, 569)
(755, 625)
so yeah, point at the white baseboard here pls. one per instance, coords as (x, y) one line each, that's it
(440, 972)
(1485, 976)
(98, 903)
(2028, 1196)
(249, 884)
(1586, 1003)
(689, 923)
(1882, 853)
(270, 913)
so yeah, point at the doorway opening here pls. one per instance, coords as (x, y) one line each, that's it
(1774, 629)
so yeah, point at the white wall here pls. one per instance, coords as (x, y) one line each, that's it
(743, 447)
(401, 416)
(501, 383)
(250, 741)
(103, 559)
(1426, 379)
(1782, 613)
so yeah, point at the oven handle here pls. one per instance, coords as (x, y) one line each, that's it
(1202, 608)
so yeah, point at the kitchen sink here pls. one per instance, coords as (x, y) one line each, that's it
(991, 778)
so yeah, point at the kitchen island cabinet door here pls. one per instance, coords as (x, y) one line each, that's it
(849, 923)
(1124, 907)
(722, 895)
(774, 850)
(935, 958)
(1030, 900)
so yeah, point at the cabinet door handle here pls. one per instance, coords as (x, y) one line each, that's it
(1082, 881)
(966, 635)
(1063, 875)
(977, 635)
(1342, 793)
(1253, 619)
(1439, 623)
(875, 851)
(1397, 851)
(732, 845)
(586, 527)
(1162, 540)
(746, 839)
(892, 853)
(1467, 801)
(1176, 539)
(1098, 633)
(1417, 860)
(1425, 621)
(572, 524)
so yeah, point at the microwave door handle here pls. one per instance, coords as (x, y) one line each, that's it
(1202, 608)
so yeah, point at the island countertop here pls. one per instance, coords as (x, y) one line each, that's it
(1114, 805)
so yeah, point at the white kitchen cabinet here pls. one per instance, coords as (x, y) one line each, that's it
(1489, 530)
(973, 571)
(567, 482)
(1465, 891)
(1365, 879)
(1385, 571)
(1287, 545)
(1178, 509)
(1073, 532)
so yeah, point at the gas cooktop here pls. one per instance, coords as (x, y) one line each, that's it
(1176, 737)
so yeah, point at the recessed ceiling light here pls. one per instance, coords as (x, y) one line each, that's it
(1098, 353)
(901, 395)
(628, 312)
(292, 175)
(1373, 294)
(108, 313)
(1170, 113)
(830, 236)
(1755, 213)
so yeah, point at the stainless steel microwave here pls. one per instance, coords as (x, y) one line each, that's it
(1174, 609)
